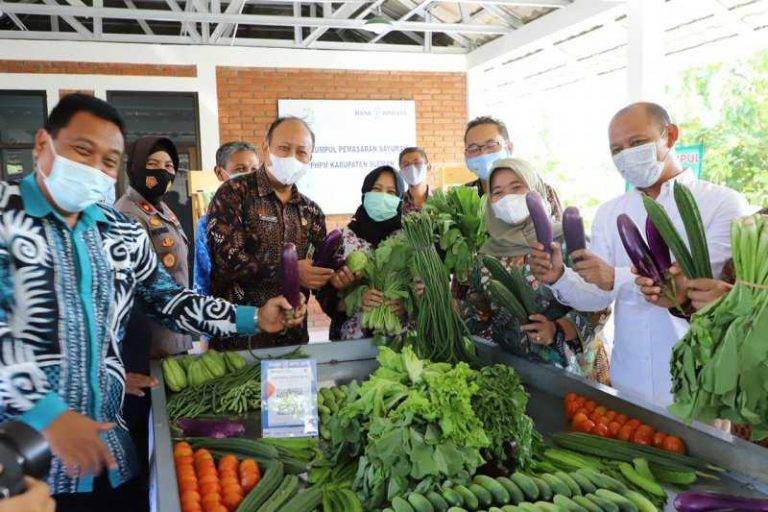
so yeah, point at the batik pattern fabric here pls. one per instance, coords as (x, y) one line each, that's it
(65, 297)
(584, 356)
(409, 206)
(202, 265)
(247, 225)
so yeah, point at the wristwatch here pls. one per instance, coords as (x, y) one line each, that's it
(256, 320)
(559, 340)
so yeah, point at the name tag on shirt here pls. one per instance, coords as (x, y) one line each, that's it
(269, 219)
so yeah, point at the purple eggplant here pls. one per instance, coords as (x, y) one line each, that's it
(659, 248)
(637, 249)
(573, 230)
(217, 429)
(698, 501)
(540, 219)
(289, 267)
(325, 256)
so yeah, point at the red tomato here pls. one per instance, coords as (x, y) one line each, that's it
(613, 429)
(590, 406)
(601, 410)
(658, 439)
(570, 409)
(603, 420)
(642, 437)
(578, 419)
(570, 397)
(611, 415)
(622, 418)
(601, 429)
(626, 432)
(646, 431)
(674, 444)
(635, 423)
(580, 400)
(594, 416)
(586, 426)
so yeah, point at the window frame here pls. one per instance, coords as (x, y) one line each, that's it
(43, 95)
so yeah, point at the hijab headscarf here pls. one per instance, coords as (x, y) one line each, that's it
(363, 225)
(138, 172)
(514, 239)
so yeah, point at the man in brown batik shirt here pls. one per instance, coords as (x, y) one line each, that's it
(249, 219)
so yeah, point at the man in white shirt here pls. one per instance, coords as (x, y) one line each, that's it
(642, 139)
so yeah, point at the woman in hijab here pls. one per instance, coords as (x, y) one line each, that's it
(376, 219)
(559, 336)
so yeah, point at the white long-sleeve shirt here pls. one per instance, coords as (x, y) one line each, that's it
(645, 334)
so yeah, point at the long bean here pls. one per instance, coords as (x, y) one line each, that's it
(441, 334)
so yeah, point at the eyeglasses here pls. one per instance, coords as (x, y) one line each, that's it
(488, 147)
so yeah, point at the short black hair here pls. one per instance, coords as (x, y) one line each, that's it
(412, 149)
(656, 112)
(71, 104)
(499, 124)
(225, 152)
(280, 120)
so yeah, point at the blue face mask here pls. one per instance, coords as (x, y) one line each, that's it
(75, 186)
(380, 206)
(481, 164)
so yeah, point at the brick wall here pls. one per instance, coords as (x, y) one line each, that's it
(95, 68)
(248, 103)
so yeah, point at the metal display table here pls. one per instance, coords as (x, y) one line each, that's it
(340, 362)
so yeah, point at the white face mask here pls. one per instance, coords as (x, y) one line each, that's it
(414, 175)
(287, 170)
(75, 186)
(511, 209)
(639, 165)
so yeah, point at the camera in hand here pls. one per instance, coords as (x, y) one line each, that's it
(23, 451)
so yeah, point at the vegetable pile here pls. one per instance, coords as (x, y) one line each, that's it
(189, 371)
(440, 333)
(387, 270)
(588, 417)
(411, 424)
(720, 368)
(459, 223)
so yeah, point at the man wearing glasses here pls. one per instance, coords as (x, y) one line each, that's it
(486, 140)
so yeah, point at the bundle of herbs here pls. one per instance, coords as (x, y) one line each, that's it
(412, 425)
(459, 223)
(720, 368)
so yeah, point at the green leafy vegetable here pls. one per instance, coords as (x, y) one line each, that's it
(500, 404)
(459, 221)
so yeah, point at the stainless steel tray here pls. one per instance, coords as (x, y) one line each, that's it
(747, 464)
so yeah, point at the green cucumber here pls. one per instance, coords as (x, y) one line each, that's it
(624, 504)
(515, 494)
(585, 503)
(640, 501)
(528, 507)
(603, 481)
(269, 483)
(288, 488)
(420, 503)
(584, 483)
(400, 505)
(511, 508)
(642, 467)
(470, 500)
(570, 482)
(545, 506)
(545, 491)
(526, 485)
(604, 504)
(457, 509)
(500, 494)
(452, 497)
(558, 486)
(495, 509)
(683, 478)
(567, 504)
(483, 496)
(640, 481)
(438, 502)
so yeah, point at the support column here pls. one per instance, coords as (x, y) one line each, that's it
(646, 69)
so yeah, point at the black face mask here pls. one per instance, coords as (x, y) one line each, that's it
(153, 184)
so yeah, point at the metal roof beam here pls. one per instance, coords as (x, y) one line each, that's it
(249, 42)
(242, 19)
(16, 21)
(420, 8)
(54, 6)
(554, 4)
(343, 12)
(97, 23)
(227, 29)
(297, 30)
(186, 27)
(507, 17)
(143, 24)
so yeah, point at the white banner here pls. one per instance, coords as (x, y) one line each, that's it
(353, 138)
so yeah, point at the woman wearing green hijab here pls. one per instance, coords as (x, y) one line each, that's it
(560, 336)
